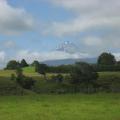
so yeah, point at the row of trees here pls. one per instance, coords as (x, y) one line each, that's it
(80, 74)
(13, 64)
(105, 62)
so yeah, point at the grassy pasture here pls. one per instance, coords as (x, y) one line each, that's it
(103, 74)
(110, 79)
(61, 107)
(99, 106)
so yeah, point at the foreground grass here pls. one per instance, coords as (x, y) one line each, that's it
(61, 107)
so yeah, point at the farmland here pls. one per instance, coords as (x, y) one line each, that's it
(60, 107)
(53, 106)
(7, 86)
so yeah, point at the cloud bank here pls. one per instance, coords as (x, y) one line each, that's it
(43, 56)
(14, 20)
(89, 14)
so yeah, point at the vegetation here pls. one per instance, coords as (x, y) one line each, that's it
(23, 83)
(24, 63)
(106, 59)
(61, 107)
(12, 65)
(84, 74)
(41, 69)
(80, 77)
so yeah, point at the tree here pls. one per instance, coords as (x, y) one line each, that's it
(13, 77)
(58, 78)
(41, 69)
(26, 82)
(106, 59)
(83, 73)
(23, 81)
(19, 71)
(118, 63)
(35, 63)
(24, 63)
(12, 65)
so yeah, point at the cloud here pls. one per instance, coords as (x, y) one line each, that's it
(88, 6)
(2, 59)
(89, 15)
(9, 44)
(14, 20)
(80, 25)
(97, 20)
(92, 41)
(43, 56)
(2, 56)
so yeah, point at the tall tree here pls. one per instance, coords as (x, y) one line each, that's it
(106, 59)
(23, 63)
(41, 69)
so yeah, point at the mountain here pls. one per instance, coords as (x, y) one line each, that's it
(69, 61)
(68, 47)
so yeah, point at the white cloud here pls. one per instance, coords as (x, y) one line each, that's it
(82, 25)
(90, 14)
(2, 59)
(9, 44)
(92, 41)
(88, 6)
(14, 20)
(2, 56)
(43, 56)
(117, 56)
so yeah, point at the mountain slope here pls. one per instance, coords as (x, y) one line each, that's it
(69, 61)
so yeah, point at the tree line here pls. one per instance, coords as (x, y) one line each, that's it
(81, 76)
(105, 62)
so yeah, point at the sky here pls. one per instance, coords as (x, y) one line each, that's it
(58, 29)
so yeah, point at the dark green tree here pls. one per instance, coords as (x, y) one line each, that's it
(35, 63)
(23, 81)
(106, 59)
(83, 73)
(12, 65)
(118, 63)
(41, 69)
(23, 63)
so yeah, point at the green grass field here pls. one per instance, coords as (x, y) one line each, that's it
(61, 107)
(101, 106)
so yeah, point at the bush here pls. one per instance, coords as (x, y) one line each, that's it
(84, 74)
(25, 82)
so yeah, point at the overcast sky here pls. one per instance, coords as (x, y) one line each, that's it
(51, 29)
